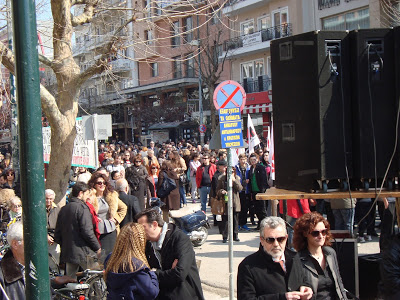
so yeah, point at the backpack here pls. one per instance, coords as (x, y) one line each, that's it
(167, 186)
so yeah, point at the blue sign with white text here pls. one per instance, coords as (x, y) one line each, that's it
(231, 127)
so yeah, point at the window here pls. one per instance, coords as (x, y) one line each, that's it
(358, 19)
(188, 29)
(175, 39)
(148, 36)
(247, 27)
(280, 21)
(190, 71)
(154, 69)
(216, 16)
(217, 51)
(247, 70)
(264, 22)
(252, 69)
(177, 67)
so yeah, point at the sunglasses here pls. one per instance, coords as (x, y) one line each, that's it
(316, 233)
(271, 240)
(100, 183)
(138, 161)
(154, 168)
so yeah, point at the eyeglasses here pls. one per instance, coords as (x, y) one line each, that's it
(138, 161)
(316, 233)
(18, 205)
(271, 240)
(100, 183)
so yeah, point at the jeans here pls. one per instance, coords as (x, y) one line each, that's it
(204, 191)
(182, 193)
(368, 223)
(344, 219)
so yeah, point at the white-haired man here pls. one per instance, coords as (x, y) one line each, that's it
(273, 272)
(52, 211)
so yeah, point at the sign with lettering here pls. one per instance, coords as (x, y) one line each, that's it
(229, 100)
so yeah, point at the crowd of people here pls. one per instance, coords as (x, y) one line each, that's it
(108, 215)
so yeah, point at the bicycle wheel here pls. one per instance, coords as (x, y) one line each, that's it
(54, 269)
(97, 289)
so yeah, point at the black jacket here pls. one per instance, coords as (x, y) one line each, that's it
(390, 269)
(182, 282)
(259, 277)
(133, 208)
(311, 273)
(11, 278)
(74, 232)
(261, 177)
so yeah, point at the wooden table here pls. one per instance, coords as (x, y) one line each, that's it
(281, 194)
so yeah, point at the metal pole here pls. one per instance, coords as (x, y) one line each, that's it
(200, 83)
(31, 145)
(96, 142)
(230, 223)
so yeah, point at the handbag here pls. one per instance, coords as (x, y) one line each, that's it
(183, 179)
(167, 186)
(217, 206)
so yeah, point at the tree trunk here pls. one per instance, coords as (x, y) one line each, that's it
(213, 111)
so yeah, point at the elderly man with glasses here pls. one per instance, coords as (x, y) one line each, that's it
(273, 272)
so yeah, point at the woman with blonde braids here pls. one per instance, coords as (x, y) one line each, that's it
(127, 271)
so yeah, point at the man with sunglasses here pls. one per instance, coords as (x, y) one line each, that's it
(273, 272)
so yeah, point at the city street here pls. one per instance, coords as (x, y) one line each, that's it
(213, 256)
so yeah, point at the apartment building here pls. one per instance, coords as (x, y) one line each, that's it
(101, 94)
(169, 42)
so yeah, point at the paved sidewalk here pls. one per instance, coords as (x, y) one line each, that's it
(214, 269)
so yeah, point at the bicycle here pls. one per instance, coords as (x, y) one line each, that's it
(97, 286)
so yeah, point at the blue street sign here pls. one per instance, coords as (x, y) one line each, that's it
(231, 127)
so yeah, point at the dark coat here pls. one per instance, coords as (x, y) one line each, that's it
(133, 207)
(390, 269)
(136, 177)
(172, 201)
(261, 177)
(11, 278)
(139, 285)
(74, 232)
(236, 189)
(259, 277)
(199, 173)
(182, 282)
(312, 274)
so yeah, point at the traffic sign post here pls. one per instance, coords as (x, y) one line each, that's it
(229, 100)
(202, 128)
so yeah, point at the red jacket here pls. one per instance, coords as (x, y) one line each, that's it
(293, 208)
(199, 173)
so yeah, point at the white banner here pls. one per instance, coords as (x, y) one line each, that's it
(251, 38)
(84, 153)
(252, 137)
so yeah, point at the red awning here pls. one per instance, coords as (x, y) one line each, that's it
(257, 108)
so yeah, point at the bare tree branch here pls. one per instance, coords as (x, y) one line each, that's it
(7, 58)
(49, 106)
(87, 15)
(45, 60)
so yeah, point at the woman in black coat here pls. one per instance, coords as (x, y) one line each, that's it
(311, 239)
(136, 175)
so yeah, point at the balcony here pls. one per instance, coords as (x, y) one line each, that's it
(256, 41)
(322, 4)
(260, 84)
(235, 7)
(121, 65)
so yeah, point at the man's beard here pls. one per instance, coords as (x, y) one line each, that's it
(275, 254)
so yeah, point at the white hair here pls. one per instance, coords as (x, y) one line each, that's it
(15, 232)
(271, 222)
(49, 192)
(121, 185)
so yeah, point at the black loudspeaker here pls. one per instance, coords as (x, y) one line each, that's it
(373, 102)
(347, 255)
(369, 275)
(312, 126)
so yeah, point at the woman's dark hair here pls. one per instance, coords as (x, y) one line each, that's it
(195, 154)
(304, 225)
(95, 177)
(113, 174)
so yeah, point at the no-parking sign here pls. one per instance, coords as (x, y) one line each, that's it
(202, 128)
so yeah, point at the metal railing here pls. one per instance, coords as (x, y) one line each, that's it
(328, 3)
(264, 35)
(260, 84)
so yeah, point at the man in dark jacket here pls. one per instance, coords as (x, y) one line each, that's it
(74, 231)
(131, 201)
(273, 272)
(170, 252)
(256, 179)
